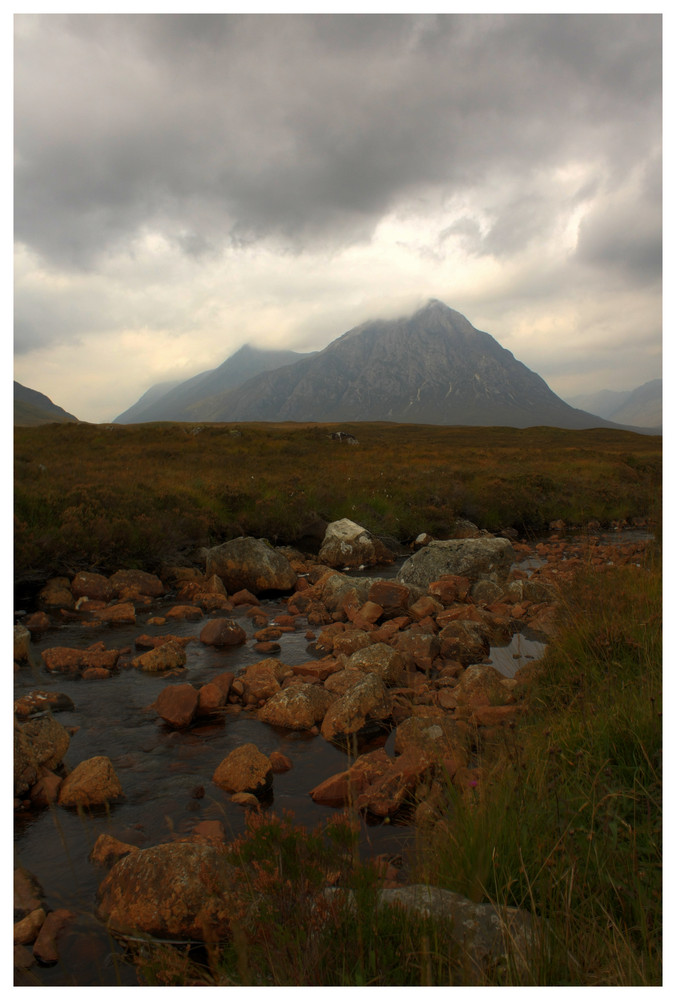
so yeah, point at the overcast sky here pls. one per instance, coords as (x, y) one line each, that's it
(185, 184)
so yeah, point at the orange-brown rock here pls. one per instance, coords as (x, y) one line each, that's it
(362, 710)
(245, 769)
(381, 659)
(280, 762)
(184, 612)
(168, 656)
(222, 632)
(419, 649)
(39, 701)
(107, 850)
(27, 929)
(449, 589)
(120, 614)
(465, 641)
(481, 684)
(299, 707)
(57, 594)
(211, 830)
(350, 641)
(63, 659)
(319, 669)
(436, 736)
(95, 586)
(45, 947)
(211, 698)
(177, 705)
(392, 597)
(92, 783)
(171, 891)
(145, 584)
(46, 790)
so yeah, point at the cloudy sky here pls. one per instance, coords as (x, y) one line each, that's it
(185, 184)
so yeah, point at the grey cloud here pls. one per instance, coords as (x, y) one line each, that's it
(227, 129)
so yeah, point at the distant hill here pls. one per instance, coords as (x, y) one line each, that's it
(641, 407)
(433, 367)
(191, 399)
(32, 408)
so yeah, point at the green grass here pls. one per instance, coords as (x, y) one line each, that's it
(108, 495)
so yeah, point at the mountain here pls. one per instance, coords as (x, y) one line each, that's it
(641, 407)
(433, 367)
(32, 408)
(190, 400)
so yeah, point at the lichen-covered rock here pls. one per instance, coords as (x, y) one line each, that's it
(438, 737)
(481, 684)
(170, 891)
(475, 558)
(380, 659)
(246, 769)
(91, 783)
(94, 586)
(299, 707)
(169, 656)
(347, 544)
(250, 564)
(362, 710)
(138, 581)
(49, 740)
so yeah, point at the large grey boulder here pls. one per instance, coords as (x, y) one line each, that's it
(252, 564)
(347, 544)
(475, 558)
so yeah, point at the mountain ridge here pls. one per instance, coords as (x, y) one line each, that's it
(32, 408)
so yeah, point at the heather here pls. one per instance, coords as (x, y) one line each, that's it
(109, 495)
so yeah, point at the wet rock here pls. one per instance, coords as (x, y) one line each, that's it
(476, 558)
(262, 680)
(37, 623)
(250, 563)
(63, 659)
(95, 586)
(41, 701)
(437, 737)
(177, 705)
(45, 948)
(91, 783)
(280, 762)
(347, 544)
(184, 612)
(211, 830)
(481, 684)
(116, 614)
(245, 769)
(299, 707)
(46, 789)
(171, 891)
(27, 929)
(363, 709)
(391, 596)
(418, 649)
(28, 893)
(379, 659)
(168, 656)
(211, 698)
(108, 850)
(464, 641)
(144, 584)
(22, 642)
(48, 739)
(222, 632)
(57, 594)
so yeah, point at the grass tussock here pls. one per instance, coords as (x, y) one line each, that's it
(569, 823)
(109, 495)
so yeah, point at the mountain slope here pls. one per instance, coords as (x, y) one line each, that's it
(433, 368)
(32, 408)
(189, 399)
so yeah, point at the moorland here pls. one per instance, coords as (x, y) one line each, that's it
(566, 824)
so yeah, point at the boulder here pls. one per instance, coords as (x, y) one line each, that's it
(137, 581)
(94, 586)
(299, 707)
(418, 649)
(464, 641)
(250, 564)
(347, 544)
(56, 594)
(263, 679)
(437, 737)
(170, 891)
(108, 850)
(391, 596)
(245, 769)
(379, 659)
(92, 783)
(211, 698)
(481, 684)
(361, 712)
(222, 632)
(63, 659)
(48, 739)
(177, 704)
(475, 558)
(116, 614)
